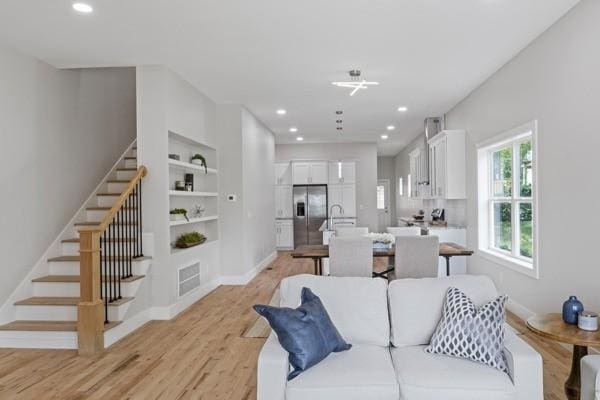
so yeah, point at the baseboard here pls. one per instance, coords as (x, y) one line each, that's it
(126, 327)
(168, 312)
(519, 310)
(248, 276)
(38, 340)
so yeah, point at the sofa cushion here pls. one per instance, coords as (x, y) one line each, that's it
(363, 372)
(357, 306)
(426, 376)
(416, 304)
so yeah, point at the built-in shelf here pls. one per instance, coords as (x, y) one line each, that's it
(191, 167)
(175, 250)
(192, 194)
(194, 220)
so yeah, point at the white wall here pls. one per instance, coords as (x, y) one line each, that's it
(246, 149)
(386, 169)
(60, 133)
(365, 156)
(556, 81)
(166, 102)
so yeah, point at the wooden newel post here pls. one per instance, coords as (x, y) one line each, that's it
(90, 312)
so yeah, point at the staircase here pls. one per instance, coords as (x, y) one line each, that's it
(48, 317)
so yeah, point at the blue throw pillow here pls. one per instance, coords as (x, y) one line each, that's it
(306, 333)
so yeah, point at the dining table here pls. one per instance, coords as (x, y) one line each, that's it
(318, 252)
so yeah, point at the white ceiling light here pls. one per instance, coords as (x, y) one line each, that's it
(281, 111)
(391, 127)
(355, 82)
(384, 137)
(402, 109)
(299, 138)
(293, 129)
(82, 8)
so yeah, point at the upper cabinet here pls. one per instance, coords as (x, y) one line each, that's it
(418, 173)
(447, 166)
(342, 172)
(283, 173)
(309, 172)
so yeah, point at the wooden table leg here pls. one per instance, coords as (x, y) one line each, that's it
(320, 266)
(447, 265)
(316, 262)
(573, 384)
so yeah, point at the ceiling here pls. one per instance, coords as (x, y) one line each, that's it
(270, 54)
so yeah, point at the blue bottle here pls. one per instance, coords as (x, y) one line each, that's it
(571, 310)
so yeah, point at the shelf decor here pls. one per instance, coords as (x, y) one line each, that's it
(190, 239)
(199, 159)
(178, 214)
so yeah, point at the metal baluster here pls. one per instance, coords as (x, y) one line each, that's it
(103, 272)
(139, 223)
(130, 235)
(112, 261)
(117, 277)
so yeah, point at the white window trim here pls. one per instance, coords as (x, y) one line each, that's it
(483, 199)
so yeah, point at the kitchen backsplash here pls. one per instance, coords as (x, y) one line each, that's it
(455, 210)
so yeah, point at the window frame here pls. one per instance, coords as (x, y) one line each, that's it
(512, 259)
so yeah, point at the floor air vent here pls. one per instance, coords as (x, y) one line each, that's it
(189, 278)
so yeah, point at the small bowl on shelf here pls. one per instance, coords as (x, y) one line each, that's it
(419, 217)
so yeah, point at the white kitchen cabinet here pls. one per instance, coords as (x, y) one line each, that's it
(310, 172)
(418, 173)
(283, 173)
(342, 172)
(284, 234)
(283, 201)
(344, 195)
(447, 165)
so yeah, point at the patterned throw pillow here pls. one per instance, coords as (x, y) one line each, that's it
(469, 332)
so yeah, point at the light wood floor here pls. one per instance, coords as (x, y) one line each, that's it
(198, 355)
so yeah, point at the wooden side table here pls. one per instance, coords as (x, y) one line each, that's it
(552, 326)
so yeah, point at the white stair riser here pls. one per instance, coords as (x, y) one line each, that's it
(95, 215)
(71, 289)
(126, 175)
(130, 163)
(106, 201)
(72, 267)
(133, 153)
(63, 313)
(70, 249)
(116, 187)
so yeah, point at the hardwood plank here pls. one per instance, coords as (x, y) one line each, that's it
(63, 301)
(200, 354)
(47, 326)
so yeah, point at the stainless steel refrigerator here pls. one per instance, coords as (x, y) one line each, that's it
(310, 211)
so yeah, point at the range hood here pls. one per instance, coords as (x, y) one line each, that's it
(433, 126)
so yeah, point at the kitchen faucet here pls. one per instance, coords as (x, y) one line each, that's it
(331, 214)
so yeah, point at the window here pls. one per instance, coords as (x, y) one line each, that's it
(401, 186)
(507, 199)
(380, 197)
(409, 186)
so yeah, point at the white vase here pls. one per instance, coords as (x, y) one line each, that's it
(197, 162)
(176, 217)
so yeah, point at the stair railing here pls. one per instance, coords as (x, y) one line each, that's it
(107, 251)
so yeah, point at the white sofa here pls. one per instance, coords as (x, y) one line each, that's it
(590, 378)
(387, 360)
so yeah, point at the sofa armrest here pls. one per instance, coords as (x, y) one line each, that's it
(273, 369)
(590, 378)
(525, 367)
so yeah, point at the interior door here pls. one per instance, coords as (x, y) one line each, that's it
(383, 204)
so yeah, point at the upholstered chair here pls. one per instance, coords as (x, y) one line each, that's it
(351, 256)
(590, 378)
(416, 257)
(405, 231)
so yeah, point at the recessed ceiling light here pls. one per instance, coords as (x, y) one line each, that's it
(339, 121)
(339, 128)
(82, 8)
(339, 112)
(391, 127)
(384, 137)
(281, 111)
(299, 138)
(293, 129)
(402, 109)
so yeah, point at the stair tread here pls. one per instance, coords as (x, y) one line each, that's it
(75, 278)
(126, 169)
(108, 208)
(92, 223)
(63, 301)
(108, 194)
(76, 240)
(130, 158)
(76, 258)
(117, 181)
(49, 326)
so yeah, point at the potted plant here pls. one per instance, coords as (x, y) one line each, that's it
(178, 214)
(190, 239)
(382, 240)
(199, 159)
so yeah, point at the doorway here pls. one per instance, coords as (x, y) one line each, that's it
(383, 204)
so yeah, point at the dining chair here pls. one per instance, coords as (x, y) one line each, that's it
(416, 257)
(351, 232)
(404, 231)
(351, 256)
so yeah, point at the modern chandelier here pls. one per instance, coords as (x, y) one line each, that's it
(355, 83)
